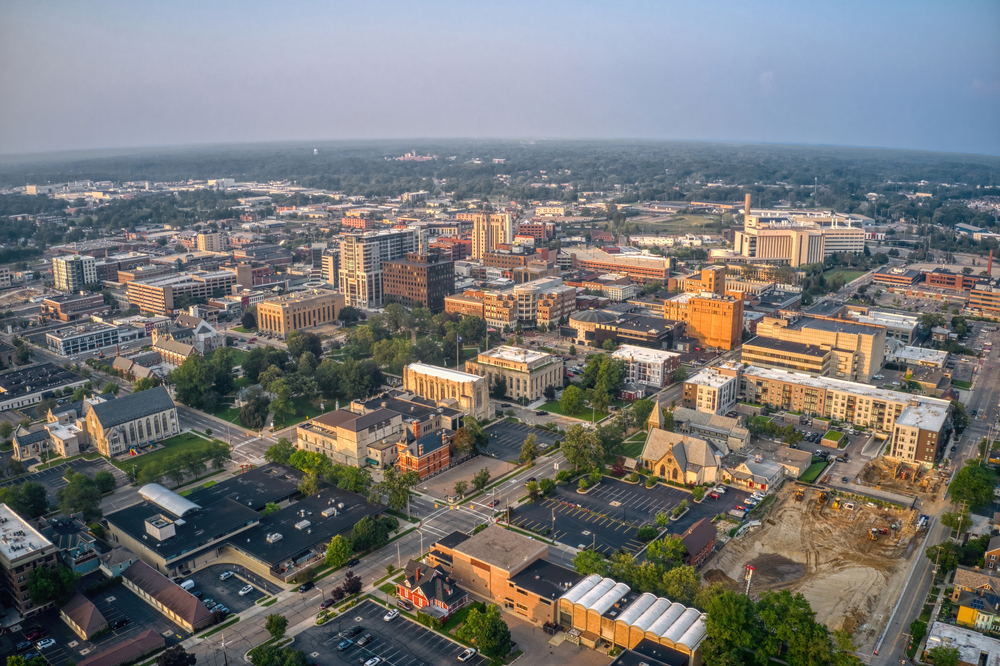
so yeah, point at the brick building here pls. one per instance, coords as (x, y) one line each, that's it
(426, 455)
(296, 311)
(418, 281)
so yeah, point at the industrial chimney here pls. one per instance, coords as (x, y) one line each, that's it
(746, 207)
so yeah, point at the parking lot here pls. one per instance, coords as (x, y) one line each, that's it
(227, 592)
(398, 643)
(115, 604)
(506, 439)
(608, 517)
(52, 478)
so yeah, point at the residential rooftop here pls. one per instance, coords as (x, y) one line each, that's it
(643, 354)
(831, 384)
(709, 377)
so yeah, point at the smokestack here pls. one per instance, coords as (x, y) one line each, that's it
(746, 207)
(989, 269)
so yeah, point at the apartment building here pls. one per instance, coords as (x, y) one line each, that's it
(713, 390)
(490, 230)
(74, 272)
(527, 372)
(299, 310)
(899, 326)
(985, 297)
(211, 242)
(22, 550)
(919, 425)
(418, 281)
(543, 301)
(125, 275)
(345, 436)
(362, 256)
(711, 279)
(465, 305)
(858, 349)
(330, 262)
(449, 388)
(542, 232)
(5, 279)
(652, 367)
(160, 294)
(641, 268)
(70, 307)
(713, 320)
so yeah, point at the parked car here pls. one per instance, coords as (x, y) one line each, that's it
(404, 604)
(23, 645)
(31, 655)
(391, 615)
(326, 604)
(118, 624)
(374, 661)
(208, 602)
(344, 644)
(541, 412)
(226, 575)
(365, 640)
(354, 631)
(844, 479)
(467, 655)
(247, 589)
(305, 587)
(47, 643)
(198, 594)
(740, 507)
(353, 563)
(505, 405)
(714, 495)
(34, 634)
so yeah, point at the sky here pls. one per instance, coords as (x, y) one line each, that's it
(901, 74)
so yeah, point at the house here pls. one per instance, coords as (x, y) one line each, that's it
(78, 548)
(83, 617)
(168, 597)
(426, 455)
(116, 561)
(975, 580)
(197, 332)
(756, 473)
(995, 523)
(680, 458)
(699, 541)
(431, 590)
(978, 611)
(992, 555)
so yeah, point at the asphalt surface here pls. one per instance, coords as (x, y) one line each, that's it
(507, 438)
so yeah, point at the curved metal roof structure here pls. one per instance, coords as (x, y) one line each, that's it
(682, 624)
(694, 635)
(647, 619)
(575, 593)
(637, 608)
(593, 317)
(666, 621)
(603, 587)
(167, 500)
(610, 598)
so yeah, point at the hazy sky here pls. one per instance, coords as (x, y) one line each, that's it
(906, 74)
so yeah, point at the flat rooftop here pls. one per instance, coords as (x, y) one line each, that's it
(515, 354)
(709, 377)
(269, 483)
(834, 326)
(788, 346)
(971, 645)
(300, 296)
(81, 329)
(14, 545)
(831, 384)
(501, 548)
(407, 404)
(887, 319)
(911, 353)
(47, 376)
(643, 354)
(442, 373)
(923, 415)
(546, 579)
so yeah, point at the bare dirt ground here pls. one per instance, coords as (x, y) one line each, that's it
(829, 556)
(17, 296)
(896, 475)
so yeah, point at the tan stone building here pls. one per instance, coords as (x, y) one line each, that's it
(713, 390)
(465, 305)
(449, 388)
(490, 230)
(211, 242)
(136, 419)
(293, 312)
(858, 349)
(526, 372)
(816, 360)
(345, 437)
(713, 320)
(680, 458)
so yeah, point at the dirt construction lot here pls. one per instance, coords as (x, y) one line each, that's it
(829, 556)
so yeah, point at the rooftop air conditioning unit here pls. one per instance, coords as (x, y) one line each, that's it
(302, 524)
(275, 537)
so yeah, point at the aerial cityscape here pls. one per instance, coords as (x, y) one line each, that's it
(415, 334)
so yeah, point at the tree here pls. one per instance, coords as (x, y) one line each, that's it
(23, 355)
(339, 552)
(269, 377)
(641, 409)
(944, 656)
(499, 387)
(589, 562)
(56, 584)
(191, 380)
(395, 487)
(309, 485)
(298, 343)
(481, 478)
(731, 628)
(81, 494)
(177, 656)
(249, 320)
(600, 399)
(105, 481)
(680, 374)
(668, 420)
(572, 350)
(143, 384)
(6, 430)
(667, 552)
(582, 448)
(280, 452)
(349, 315)
(974, 485)
(220, 370)
(276, 624)
(460, 487)
(609, 345)
(269, 509)
(470, 437)
(571, 401)
(959, 417)
(282, 404)
(681, 584)
(488, 631)
(529, 450)
(549, 392)
(110, 387)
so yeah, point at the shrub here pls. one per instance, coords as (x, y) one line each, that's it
(102, 585)
(617, 471)
(563, 477)
(584, 483)
(633, 477)
(647, 533)
(650, 482)
(429, 621)
(595, 477)
(698, 492)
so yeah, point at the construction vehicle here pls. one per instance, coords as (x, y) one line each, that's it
(823, 497)
(836, 504)
(799, 495)
(883, 530)
(874, 534)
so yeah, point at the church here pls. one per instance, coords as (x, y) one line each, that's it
(678, 457)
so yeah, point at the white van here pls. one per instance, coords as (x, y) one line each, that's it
(188, 585)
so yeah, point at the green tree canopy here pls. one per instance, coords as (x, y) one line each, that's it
(488, 631)
(276, 624)
(582, 448)
(55, 584)
(280, 452)
(571, 401)
(973, 484)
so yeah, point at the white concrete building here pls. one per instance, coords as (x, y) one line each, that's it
(916, 356)
(713, 390)
(74, 272)
(653, 367)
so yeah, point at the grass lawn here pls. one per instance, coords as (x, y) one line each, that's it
(585, 414)
(958, 383)
(177, 444)
(303, 410)
(459, 616)
(239, 329)
(238, 356)
(849, 275)
(810, 474)
(633, 447)
(680, 224)
(833, 436)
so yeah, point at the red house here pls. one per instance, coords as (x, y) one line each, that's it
(699, 540)
(431, 590)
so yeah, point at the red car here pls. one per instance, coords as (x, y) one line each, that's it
(34, 634)
(714, 495)
(494, 502)
(326, 603)
(740, 507)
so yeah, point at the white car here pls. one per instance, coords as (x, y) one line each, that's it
(246, 590)
(465, 656)
(47, 643)
(878, 376)
(719, 489)
(391, 615)
(374, 661)
(226, 575)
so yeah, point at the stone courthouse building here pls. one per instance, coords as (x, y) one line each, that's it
(526, 372)
(449, 388)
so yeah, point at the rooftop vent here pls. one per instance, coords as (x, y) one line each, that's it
(302, 524)
(274, 537)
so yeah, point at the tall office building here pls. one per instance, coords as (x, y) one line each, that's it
(418, 281)
(361, 259)
(490, 230)
(212, 242)
(74, 272)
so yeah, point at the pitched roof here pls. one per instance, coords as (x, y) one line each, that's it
(84, 614)
(994, 544)
(698, 536)
(685, 449)
(133, 406)
(127, 651)
(171, 595)
(174, 347)
(23, 436)
(342, 418)
(116, 556)
(974, 580)
(185, 320)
